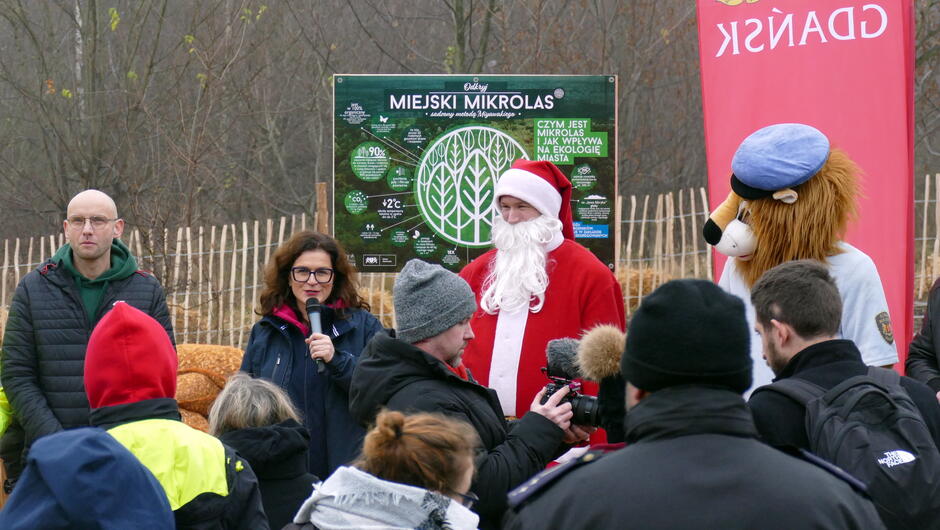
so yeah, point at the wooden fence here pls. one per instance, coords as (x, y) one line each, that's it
(212, 274)
(661, 240)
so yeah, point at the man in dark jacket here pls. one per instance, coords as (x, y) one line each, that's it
(798, 311)
(692, 458)
(421, 371)
(130, 379)
(54, 310)
(923, 359)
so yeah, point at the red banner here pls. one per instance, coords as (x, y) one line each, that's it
(844, 67)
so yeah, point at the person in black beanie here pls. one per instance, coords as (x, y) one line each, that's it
(692, 459)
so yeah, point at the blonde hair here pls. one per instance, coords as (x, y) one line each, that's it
(425, 450)
(248, 402)
(810, 228)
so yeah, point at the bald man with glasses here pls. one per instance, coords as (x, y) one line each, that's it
(54, 309)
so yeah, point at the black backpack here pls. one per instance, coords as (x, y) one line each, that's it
(868, 426)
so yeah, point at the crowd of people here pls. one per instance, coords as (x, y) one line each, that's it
(335, 422)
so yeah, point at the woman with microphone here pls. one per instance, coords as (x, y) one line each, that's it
(310, 272)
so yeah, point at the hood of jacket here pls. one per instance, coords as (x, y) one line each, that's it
(69, 482)
(353, 499)
(123, 264)
(129, 359)
(687, 410)
(386, 366)
(274, 451)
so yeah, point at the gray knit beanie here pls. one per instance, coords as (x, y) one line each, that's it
(429, 299)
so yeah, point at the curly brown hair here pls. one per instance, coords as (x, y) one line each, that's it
(277, 290)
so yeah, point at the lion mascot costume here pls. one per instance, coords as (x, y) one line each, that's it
(793, 197)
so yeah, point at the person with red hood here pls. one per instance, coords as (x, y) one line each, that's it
(130, 380)
(536, 285)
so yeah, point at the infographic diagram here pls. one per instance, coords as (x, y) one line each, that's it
(416, 159)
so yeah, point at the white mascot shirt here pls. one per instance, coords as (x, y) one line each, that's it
(865, 319)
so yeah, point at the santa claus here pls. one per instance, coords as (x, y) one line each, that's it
(536, 285)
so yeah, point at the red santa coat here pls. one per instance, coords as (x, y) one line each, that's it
(582, 293)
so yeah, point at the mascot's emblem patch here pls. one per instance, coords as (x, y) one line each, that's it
(883, 321)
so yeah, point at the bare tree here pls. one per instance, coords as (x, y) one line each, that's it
(221, 111)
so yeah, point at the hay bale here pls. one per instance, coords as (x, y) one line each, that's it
(212, 357)
(381, 302)
(639, 282)
(203, 370)
(197, 390)
(195, 420)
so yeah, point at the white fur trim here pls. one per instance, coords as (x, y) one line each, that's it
(504, 363)
(531, 188)
(557, 240)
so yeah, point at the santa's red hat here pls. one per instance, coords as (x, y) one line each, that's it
(541, 184)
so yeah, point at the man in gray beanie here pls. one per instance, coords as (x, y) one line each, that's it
(420, 370)
(693, 459)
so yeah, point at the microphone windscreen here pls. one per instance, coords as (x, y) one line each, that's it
(599, 352)
(562, 357)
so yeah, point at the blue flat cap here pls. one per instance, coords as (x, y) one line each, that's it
(778, 156)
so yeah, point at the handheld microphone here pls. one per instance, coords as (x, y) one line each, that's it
(313, 313)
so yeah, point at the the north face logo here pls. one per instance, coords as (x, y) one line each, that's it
(894, 458)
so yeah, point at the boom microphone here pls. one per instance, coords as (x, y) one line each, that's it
(599, 352)
(313, 314)
(562, 358)
(599, 358)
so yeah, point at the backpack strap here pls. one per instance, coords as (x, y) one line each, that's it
(884, 376)
(799, 390)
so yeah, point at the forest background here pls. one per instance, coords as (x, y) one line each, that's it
(220, 111)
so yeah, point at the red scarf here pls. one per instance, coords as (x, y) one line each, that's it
(284, 312)
(460, 371)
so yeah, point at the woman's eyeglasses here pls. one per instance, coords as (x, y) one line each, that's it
(467, 499)
(302, 275)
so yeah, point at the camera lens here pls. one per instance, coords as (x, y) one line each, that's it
(586, 410)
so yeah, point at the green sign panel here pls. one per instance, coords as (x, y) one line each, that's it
(416, 159)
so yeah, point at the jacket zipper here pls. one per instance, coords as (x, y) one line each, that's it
(276, 364)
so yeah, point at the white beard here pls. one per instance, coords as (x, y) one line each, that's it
(518, 279)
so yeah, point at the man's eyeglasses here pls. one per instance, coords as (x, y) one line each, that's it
(97, 222)
(467, 499)
(302, 275)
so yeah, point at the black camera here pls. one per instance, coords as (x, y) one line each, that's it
(586, 409)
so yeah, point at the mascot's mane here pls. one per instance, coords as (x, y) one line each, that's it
(810, 228)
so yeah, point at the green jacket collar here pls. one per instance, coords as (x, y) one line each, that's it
(123, 263)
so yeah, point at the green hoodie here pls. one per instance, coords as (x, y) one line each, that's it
(123, 265)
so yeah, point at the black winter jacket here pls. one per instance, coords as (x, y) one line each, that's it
(923, 359)
(397, 375)
(780, 420)
(693, 461)
(45, 339)
(278, 456)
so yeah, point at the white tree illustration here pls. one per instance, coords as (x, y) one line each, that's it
(455, 181)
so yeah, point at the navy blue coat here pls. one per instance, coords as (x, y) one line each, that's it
(276, 351)
(84, 478)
